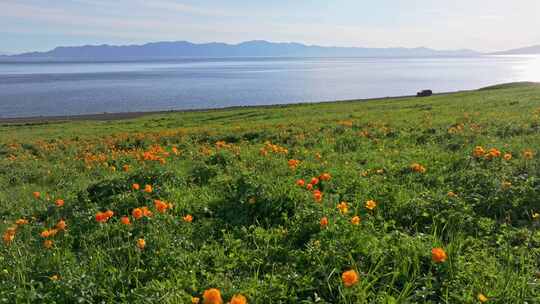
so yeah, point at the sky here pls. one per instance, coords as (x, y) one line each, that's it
(39, 25)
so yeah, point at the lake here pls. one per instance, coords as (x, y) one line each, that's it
(49, 89)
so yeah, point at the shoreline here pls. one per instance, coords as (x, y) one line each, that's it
(37, 120)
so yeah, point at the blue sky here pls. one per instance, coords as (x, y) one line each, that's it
(478, 24)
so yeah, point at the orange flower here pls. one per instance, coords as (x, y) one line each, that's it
(309, 186)
(418, 168)
(9, 235)
(21, 222)
(238, 299)
(135, 187)
(438, 255)
(36, 195)
(324, 222)
(141, 243)
(507, 156)
(61, 225)
(301, 182)
(125, 220)
(355, 220)
(371, 204)
(451, 194)
(48, 244)
(212, 296)
(49, 233)
(137, 213)
(148, 189)
(188, 218)
(314, 181)
(343, 207)
(161, 206)
(528, 154)
(109, 213)
(479, 152)
(146, 212)
(59, 202)
(325, 177)
(103, 217)
(125, 168)
(293, 163)
(493, 153)
(317, 195)
(349, 278)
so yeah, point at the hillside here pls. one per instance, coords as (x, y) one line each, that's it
(531, 50)
(168, 50)
(410, 200)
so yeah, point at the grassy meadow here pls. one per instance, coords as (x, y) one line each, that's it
(406, 200)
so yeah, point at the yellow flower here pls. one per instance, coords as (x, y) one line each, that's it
(141, 243)
(343, 207)
(482, 298)
(48, 244)
(536, 216)
(195, 300)
(371, 204)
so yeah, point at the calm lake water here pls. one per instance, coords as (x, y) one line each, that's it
(45, 89)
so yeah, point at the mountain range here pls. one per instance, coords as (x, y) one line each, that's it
(257, 48)
(531, 50)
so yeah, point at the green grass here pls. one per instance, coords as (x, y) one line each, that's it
(255, 231)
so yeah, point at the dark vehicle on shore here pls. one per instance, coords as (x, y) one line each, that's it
(424, 93)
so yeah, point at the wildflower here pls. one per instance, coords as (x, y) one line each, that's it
(125, 168)
(49, 233)
(528, 154)
(493, 153)
(212, 296)
(21, 222)
(59, 203)
(48, 244)
(309, 187)
(507, 156)
(137, 213)
(317, 195)
(418, 168)
(135, 187)
(482, 298)
(103, 217)
(238, 299)
(109, 213)
(301, 182)
(324, 222)
(148, 189)
(438, 255)
(61, 225)
(293, 163)
(343, 207)
(188, 218)
(9, 235)
(195, 300)
(349, 278)
(54, 277)
(125, 220)
(355, 220)
(146, 212)
(371, 204)
(451, 194)
(36, 195)
(314, 181)
(161, 206)
(325, 177)
(141, 243)
(479, 152)
(536, 216)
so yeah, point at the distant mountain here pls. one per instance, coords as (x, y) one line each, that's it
(531, 50)
(178, 49)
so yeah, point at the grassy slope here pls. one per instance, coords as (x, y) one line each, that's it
(254, 231)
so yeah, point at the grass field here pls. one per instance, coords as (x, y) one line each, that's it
(410, 200)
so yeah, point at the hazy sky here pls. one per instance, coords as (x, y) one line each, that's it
(477, 24)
